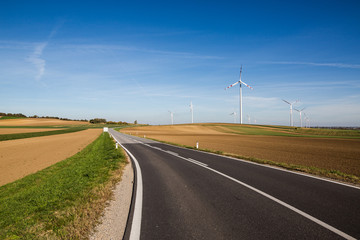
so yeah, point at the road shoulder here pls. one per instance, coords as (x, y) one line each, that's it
(113, 222)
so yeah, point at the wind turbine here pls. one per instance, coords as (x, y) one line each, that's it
(291, 107)
(240, 93)
(300, 111)
(192, 112)
(234, 113)
(172, 117)
(307, 121)
(248, 117)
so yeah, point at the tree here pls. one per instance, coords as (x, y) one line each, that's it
(97, 120)
(135, 122)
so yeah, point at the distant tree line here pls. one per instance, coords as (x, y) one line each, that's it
(19, 115)
(65, 119)
(103, 121)
(93, 121)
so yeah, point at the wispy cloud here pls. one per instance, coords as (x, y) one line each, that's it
(36, 57)
(338, 65)
(39, 63)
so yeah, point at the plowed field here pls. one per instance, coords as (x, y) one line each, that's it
(325, 153)
(21, 157)
(38, 122)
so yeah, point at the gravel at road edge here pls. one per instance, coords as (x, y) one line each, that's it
(113, 222)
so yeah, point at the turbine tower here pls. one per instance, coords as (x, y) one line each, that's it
(240, 93)
(192, 112)
(307, 121)
(248, 117)
(300, 111)
(291, 107)
(234, 113)
(172, 117)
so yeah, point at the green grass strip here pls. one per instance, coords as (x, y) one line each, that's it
(9, 117)
(4, 137)
(54, 203)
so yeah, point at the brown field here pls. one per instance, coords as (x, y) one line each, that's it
(325, 153)
(21, 157)
(25, 130)
(38, 122)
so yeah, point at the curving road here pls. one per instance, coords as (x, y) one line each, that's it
(186, 194)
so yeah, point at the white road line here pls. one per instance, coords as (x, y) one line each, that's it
(172, 153)
(177, 155)
(196, 162)
(321, 223)
(136, 221)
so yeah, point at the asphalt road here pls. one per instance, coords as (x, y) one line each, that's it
(186, 194)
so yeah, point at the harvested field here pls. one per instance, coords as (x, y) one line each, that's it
(325, 153)
(38, 122)
(25, 130)
(21, 157)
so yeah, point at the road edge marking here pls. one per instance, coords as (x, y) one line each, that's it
(136, 221)
(298, 211)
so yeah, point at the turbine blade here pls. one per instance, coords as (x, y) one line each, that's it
(232, 85)
(246, 85)
(286, 102)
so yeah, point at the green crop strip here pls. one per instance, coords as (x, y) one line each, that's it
(4, 137)
(62, 201)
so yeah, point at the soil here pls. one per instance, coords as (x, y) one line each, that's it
(326, 153)
(21, 157)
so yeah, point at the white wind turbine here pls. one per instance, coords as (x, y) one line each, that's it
(307, 121)
(248, 117)
(240, 93)
(172, 117)
(300, 111)
(234, 113)
(291, 107)
(192, 112)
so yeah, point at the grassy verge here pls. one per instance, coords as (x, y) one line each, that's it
(328, 173)
(64, 200)
(4, 137)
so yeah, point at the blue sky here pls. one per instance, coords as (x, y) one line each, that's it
(136, 60)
